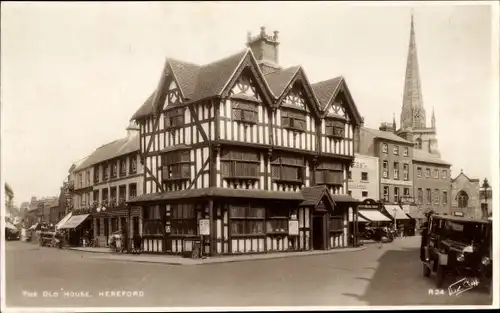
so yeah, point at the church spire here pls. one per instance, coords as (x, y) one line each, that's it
(413, 112)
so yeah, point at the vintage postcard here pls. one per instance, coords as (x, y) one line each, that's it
(249, 155)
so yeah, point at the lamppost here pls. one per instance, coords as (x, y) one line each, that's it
(484, 207)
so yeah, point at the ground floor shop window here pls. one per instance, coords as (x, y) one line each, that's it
(183, 220)
(277, 219)
(247, 220)
(152, 221)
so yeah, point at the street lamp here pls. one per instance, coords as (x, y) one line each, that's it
(484, 208)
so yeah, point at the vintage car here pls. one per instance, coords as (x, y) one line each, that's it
(459, 247)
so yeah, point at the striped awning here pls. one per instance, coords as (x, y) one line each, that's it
(64, 220)
(373, 216)
(74, 221)
(396, 212)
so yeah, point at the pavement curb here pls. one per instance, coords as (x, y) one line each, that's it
(188, 262)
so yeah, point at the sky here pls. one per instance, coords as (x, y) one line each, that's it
(74, 73)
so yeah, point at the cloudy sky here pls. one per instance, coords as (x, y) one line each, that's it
(74, 73)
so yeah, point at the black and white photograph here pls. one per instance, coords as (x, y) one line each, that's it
(216, 156)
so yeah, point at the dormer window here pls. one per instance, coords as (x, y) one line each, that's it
(293, 120)
(174, 118)
(334, 128)
(244, 112)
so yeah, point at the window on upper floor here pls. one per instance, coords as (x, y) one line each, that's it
(349, 192)
(133, 164)
(444, 174)
(80, 179)
(177, 165)
(427, 172)
(405, 151)
(396, 170)
(330, 174)
(420, 196)
(87, 176)
(105, 171)
(385, 148)
(132, 190)
(96, 174)
(334, 128)
(122, 194)
(174, 118)
(445, 197)
(286, 167)
(293, 120)
(123, 167)
(96, 196)
(436, 173)
(114, 169)
(462, 199)
(385, 169)
(364, 194)
(395, 150)
(386, 193)
(242, 164)
(429, 196)
(244, 112)
(406, 192)
(364, 176)
(419, 172)
(349, 174)
(405, 172)
(396, 194)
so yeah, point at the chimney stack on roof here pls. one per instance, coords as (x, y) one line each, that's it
(265, 50)
(387, 127)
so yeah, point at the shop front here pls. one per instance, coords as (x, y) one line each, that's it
(370, 213)
(218, 221)
(78, 228)
(109, 219)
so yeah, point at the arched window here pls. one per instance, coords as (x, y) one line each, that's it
(462, 199)
(419, 143)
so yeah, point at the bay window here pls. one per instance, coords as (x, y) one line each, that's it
(174, 118)
(244, 112)
(334, 128)
(287, 168)
(293, 120)
(330, 174)
(177, 165)
(240, 164)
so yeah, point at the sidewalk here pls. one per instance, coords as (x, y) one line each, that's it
(105, 254)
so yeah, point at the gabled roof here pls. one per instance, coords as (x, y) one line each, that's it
(327, 90)
(278, 80)
(112, 150)
(313, 195)
(424, 156)
(475, 180)
(385, 135)
(197, 82)
(324, 90)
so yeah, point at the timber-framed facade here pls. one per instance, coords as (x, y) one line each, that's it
(251, 147)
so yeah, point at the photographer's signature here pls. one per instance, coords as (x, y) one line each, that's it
(462, 286)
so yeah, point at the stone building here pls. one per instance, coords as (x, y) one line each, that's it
(465, 199)
(364, 177)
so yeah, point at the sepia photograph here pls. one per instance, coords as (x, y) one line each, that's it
(216, 156)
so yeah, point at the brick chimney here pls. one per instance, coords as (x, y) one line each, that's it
(387, 127)
(265, 50)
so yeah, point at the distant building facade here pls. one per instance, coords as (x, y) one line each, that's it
(466, 199)
(432, 182)
(364, 177)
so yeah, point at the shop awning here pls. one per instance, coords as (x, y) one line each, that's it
(64, 220)
(10, 226)
(34, 226)
(417, 216)
(396, 212)
(74, 221)
(362, 219)
(373, 216)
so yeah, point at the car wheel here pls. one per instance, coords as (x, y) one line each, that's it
(426, 270)
(440, 276)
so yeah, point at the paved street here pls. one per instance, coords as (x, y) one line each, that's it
(387, 276)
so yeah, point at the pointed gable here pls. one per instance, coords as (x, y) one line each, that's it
(299, 92)
(279, 80)
(328, 92)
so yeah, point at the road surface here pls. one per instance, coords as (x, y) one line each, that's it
(391, 275)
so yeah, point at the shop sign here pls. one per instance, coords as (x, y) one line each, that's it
(293, 227)
(204, 227)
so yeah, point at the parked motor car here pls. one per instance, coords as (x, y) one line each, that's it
(457, 247)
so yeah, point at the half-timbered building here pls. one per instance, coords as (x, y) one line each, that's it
(251, 147)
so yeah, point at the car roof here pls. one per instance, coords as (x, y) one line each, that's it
(460, 219)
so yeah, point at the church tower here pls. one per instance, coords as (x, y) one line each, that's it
(413, 123)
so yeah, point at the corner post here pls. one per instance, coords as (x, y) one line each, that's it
(212, 226)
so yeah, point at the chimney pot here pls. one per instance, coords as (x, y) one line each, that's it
(262, 31)
(276, 35)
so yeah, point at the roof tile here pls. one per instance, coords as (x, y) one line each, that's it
(278, 80)
(385, 135)
(325, 89)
